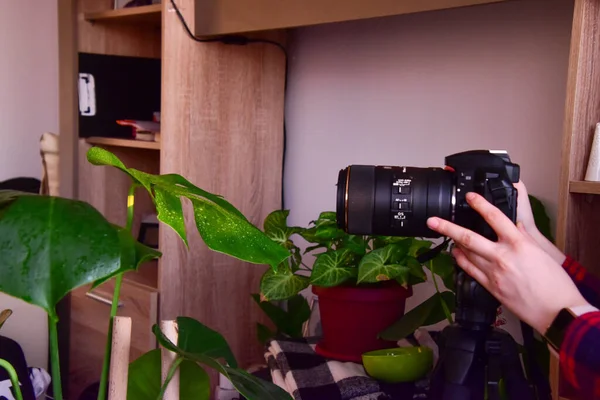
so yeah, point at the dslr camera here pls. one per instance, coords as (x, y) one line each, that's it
(397, 201)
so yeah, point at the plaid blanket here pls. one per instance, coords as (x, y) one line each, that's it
(296, 368)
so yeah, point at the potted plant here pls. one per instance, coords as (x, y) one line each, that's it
(362, 281)
(50, 245)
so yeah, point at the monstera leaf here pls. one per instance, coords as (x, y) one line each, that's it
(281, 285)
(333, 268)
(384, 264)
(200, 344)
(50, 246)
(144, 379)
(429, 312)
(222, 227)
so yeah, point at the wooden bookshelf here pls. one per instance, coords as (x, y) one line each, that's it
(114, 142)
(224, 17)
(584, 187)
(147, 15)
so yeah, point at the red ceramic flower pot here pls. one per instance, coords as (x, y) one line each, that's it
(351, 318)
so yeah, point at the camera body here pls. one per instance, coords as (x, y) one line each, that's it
(397, 201)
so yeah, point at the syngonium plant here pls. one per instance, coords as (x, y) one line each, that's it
(344, 259)
(50, 246)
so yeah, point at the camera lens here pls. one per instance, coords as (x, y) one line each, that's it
(394, 201)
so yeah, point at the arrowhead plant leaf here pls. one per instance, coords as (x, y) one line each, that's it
(222, 227)
(201, 344)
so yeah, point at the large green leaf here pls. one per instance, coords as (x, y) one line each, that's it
(212, 344)
(383, 264)
(541, 218)
(144, 380)
(281, 285)
(429, 312)
(50, 246)
(263, 333)
(443, 266)
(332, 268)
(418, 247)
(143, 254)
(416, 274)
(190, 332)
(288, 322)
(222, 227)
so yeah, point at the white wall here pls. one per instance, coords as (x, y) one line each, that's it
(411, 89)
(28, 107)
(28, 83)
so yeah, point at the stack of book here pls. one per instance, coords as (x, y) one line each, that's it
(148, 131)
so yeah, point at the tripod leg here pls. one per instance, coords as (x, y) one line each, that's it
(517, 386)
(494, 374)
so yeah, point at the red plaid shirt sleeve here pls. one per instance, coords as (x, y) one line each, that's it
(588, 284)
(580, 350)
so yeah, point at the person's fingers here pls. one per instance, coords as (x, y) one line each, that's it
(521, 188)
(469, 267)
(463, 237)
(500, 223)
(484, 265)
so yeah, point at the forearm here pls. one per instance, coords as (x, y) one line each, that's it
(548, 247)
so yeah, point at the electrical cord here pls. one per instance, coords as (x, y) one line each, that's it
(242, 41)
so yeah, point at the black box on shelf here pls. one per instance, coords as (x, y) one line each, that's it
(113, 88)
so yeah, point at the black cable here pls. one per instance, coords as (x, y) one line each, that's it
(241, 41)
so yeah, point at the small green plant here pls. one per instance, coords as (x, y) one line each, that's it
(50, 245)
(344, 259)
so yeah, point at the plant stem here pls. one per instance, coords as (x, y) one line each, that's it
(54, 361)
(130, 206)
(14, 379)
(115, 303)
(306, 267)
(169, 376)
(437, 289)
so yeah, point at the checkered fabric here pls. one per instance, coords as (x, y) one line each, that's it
(305, 375)
(580, 350)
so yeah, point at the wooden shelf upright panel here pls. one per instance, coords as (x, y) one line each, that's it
(222, 107)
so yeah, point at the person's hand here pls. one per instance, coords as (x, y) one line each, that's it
(524, 211)
(515, 269)
(526, 220)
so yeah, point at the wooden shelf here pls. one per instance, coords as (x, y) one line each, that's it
(224, 17)
(113, 142)
(146, 15)
(584, 187)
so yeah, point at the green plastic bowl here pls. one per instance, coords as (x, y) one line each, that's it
(402, 364)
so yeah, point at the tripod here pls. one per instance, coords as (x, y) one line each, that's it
(474, 356)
